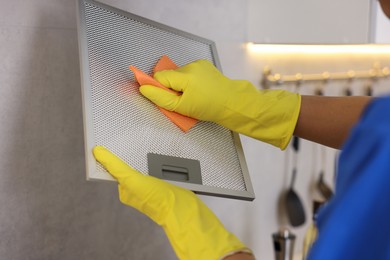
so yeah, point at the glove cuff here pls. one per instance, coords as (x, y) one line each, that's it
(278, 116)
(295, 107)
(266, 115)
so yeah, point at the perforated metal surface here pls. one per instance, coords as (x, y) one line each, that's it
(120, 118)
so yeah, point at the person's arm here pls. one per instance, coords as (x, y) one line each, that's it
(385, 4)
(267, 115)
(328, 120)
(240, 256)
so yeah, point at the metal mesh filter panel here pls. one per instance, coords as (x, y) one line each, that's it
(131, 126)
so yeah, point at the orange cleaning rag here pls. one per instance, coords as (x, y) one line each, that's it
(183, 122)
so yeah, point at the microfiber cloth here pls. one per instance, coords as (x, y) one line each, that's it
(165, 63)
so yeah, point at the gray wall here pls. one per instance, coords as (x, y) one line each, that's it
(47, 208)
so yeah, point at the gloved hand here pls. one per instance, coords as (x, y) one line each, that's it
(191, 227)
(267, 115)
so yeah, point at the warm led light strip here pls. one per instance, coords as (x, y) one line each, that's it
(319, 49)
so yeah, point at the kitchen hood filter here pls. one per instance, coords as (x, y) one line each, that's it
(208, 159)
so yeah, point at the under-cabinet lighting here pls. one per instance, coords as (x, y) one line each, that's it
(319, 49)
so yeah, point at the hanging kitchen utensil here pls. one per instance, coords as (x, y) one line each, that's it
(318, 91)
(348, 89)
(312, 231)
(284, 242)
(322, 186)
(369, 90)
(294, 207)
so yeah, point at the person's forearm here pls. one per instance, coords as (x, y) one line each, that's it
(240, 256)
(328, 120)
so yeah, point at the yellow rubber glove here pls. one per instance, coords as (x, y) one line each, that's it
(191, 227)
(267, 115)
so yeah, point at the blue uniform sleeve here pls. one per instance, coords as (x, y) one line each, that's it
(355, 223)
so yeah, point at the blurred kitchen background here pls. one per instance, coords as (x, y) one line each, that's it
(48, 210)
